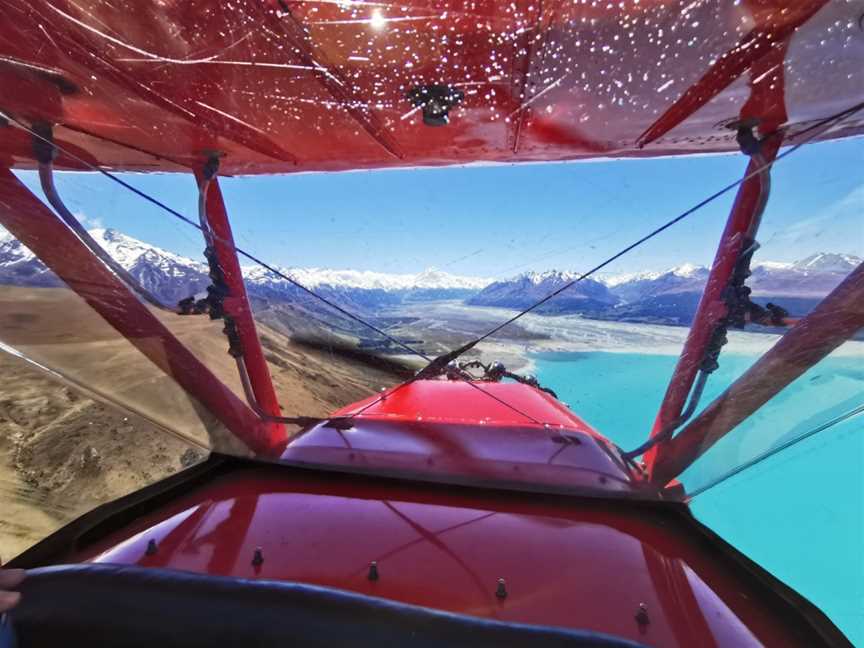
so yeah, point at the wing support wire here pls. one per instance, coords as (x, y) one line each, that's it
(254, 375)
(720, 301)
(812, 132)
(770, 143)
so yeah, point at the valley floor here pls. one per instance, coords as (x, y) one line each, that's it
(451, 323)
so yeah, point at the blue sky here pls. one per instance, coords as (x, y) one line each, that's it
(497, 221)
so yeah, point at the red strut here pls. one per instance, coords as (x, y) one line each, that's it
(712, 307)
(236, 304)
(765, 108)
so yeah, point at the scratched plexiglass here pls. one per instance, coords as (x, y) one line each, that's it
(416, 262)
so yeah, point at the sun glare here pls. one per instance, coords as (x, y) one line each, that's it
(377, 21)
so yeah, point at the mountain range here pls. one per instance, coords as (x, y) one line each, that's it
(662, 297)
(671, 296)
(171, 277)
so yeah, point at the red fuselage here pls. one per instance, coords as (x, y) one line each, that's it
(467, 507)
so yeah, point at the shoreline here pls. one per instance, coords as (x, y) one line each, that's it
(567, 334)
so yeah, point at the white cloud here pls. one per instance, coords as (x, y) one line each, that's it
(90, 222)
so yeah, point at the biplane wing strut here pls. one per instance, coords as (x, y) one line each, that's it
(764, 112)
(834, 321)
(236, 310)
(708, 331)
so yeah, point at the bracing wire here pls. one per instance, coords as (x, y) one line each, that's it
(210, 236)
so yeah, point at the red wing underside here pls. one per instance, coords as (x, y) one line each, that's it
(284, 86)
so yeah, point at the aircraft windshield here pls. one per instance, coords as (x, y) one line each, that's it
(433, 259)
(581, 278)
(377, 273)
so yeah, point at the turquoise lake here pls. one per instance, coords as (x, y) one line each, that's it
(800, 513)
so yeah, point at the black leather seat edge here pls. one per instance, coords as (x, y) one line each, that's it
(116, 605)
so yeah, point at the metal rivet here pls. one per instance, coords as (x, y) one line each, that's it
(373, 571)
(258, 557)
(501, 592)
(152, 548)
(642, 615)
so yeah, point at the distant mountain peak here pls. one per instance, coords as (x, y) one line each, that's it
(429, 279)
(537, 278)
(828, 262)
(12, 250)
(669, 296)
(688, 270)
(167, 275)
(108, 233)
(530, 287)
(685, 271)
(129, 251)
(436, 278)
(772, 265)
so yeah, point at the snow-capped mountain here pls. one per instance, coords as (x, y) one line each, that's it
(811, 277)
(359, 290)
(684, 271)
(826, 262)
(674, 295)
(814, 265)
(528, 288)
(168, 276)
(681, 279)
(18, 265)
(172, 277)
(670, 296)
(430, 279)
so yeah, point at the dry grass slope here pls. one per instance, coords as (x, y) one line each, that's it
(63, 450)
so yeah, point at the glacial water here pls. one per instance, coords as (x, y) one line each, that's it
(800, 513)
